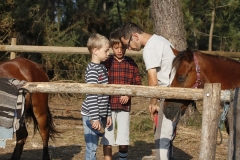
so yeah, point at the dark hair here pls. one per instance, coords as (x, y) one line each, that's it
(128, 29)
(114, 37)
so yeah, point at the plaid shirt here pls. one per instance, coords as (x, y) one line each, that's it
(124, 72)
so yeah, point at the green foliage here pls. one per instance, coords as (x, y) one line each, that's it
(53, 36)
(139, 12)
(69, 23)
(197, 19)
(5, 21)
(67, 67)
(114, 15)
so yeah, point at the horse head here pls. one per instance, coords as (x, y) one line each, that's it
(185, 77)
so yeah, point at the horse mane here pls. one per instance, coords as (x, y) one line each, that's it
(178, 59)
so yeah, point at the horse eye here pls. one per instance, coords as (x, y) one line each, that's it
(181, 78)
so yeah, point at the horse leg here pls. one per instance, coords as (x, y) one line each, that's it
(44, 132)
(40, 110)
(21, 136)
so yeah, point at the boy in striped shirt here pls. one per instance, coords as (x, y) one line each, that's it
(96, 107)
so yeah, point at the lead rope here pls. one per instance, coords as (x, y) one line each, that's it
(222, 118)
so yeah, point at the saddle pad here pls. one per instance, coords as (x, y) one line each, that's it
(8, 101)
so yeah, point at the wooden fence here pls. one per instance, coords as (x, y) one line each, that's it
(211, 94)
(83, 50)
(117, 89)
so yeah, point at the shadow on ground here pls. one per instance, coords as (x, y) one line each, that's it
(138, 151)
(67, 152)
(179, 154)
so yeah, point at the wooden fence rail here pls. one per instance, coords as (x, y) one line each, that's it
(210, 96)
(53, 49)
(115, 89)
(84, 50)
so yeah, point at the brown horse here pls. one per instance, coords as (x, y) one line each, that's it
(193, 69)
(36, 106)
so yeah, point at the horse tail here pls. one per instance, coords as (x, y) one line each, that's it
(51, 126)
(29, 115)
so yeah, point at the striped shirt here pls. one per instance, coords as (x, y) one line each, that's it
(96, 105)
(124, 72)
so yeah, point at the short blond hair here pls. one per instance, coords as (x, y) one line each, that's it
(96, 41)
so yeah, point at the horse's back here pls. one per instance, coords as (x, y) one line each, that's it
(217, 69)
(192, 66)
(23, 69)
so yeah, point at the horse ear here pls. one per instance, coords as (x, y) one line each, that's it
(175, 52)
(189, 55)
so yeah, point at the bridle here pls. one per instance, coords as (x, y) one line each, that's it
(198, 83)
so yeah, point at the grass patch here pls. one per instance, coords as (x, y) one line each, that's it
(141, 128)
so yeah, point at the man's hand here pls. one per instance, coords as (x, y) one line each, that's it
(153, 109)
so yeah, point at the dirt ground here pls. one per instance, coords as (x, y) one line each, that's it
(70, 144)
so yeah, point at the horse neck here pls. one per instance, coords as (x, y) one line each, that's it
(219, 70)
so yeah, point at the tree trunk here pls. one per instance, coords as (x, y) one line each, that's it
(168, 22)
(211, 30)
(119, 13)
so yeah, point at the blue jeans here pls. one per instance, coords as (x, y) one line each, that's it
(91, 139)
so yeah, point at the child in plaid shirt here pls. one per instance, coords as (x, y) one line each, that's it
(121, 70)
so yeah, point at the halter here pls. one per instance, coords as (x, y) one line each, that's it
(198, 81)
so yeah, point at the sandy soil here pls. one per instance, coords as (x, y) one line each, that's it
(70, 144)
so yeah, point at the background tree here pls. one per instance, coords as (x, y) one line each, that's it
(212, 24)
(168, 22)
(217, 5)
(69, 23)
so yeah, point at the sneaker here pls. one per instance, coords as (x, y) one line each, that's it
(98, 132)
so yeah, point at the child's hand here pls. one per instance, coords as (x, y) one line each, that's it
(109, 122)
(124, 99)
(96, 125)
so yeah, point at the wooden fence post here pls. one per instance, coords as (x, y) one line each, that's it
(13, 54)
(234, 127)
(210, 117)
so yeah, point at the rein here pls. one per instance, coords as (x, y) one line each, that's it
(198, 81)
